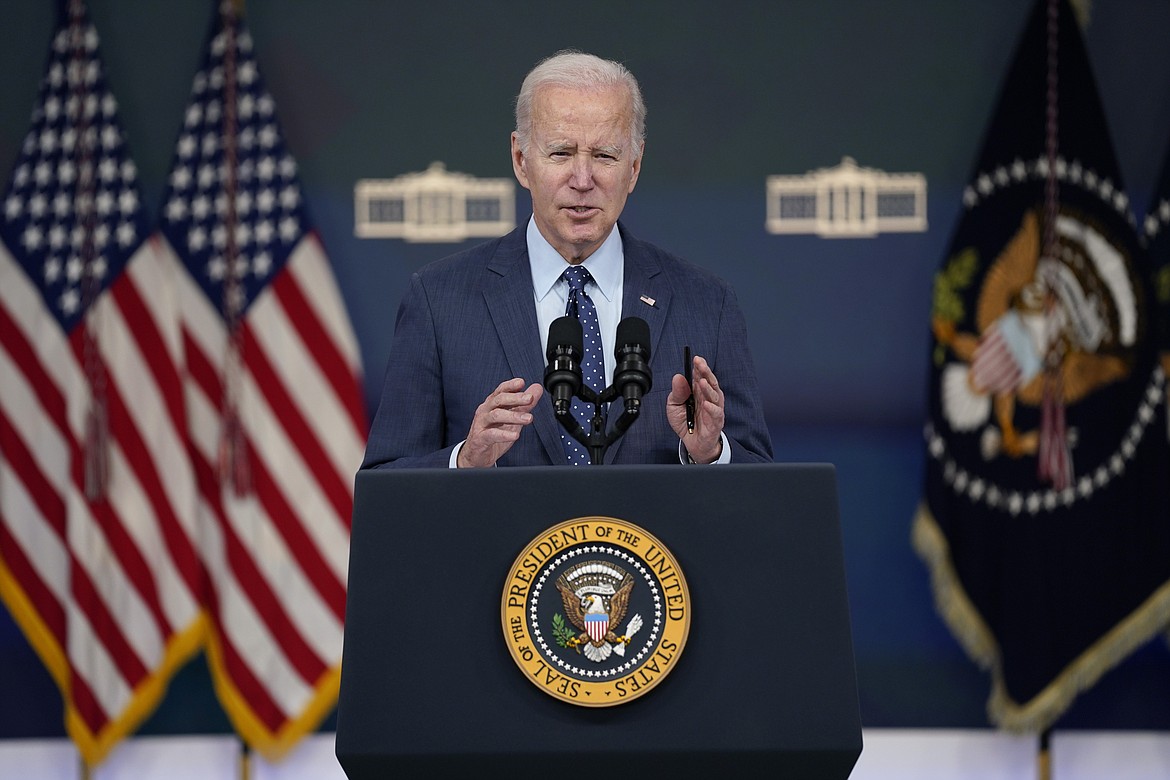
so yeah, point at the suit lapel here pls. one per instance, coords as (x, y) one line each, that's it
(509, 301)
(646, 294)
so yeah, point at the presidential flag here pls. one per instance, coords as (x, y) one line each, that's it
(275, 415)
(1156, 231)
(1044, 519)
(98, 563)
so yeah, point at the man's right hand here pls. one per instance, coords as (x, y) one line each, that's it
(498, 422)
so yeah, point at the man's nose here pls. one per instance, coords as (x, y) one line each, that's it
(582, 177)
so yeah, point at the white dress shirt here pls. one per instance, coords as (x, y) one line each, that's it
(607, 267)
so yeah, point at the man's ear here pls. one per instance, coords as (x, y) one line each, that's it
(519, 162)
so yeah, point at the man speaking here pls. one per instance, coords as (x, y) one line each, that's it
(463, 381)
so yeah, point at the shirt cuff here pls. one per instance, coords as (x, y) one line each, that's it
(724, 454)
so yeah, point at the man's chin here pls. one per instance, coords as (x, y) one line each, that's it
(581, 243)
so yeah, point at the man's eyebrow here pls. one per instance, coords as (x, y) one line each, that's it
(614, 150)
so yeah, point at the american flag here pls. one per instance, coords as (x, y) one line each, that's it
(98, 562)
(276, 419)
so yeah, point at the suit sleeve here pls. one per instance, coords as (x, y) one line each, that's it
(409, 427)
(744, 423)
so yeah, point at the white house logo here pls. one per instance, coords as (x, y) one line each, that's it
(596, 611)
(434, 206)
(847, 202)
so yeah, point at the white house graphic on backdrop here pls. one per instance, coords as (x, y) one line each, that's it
(847, 201)
(434, 206)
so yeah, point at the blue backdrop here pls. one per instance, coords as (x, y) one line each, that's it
(736, 92)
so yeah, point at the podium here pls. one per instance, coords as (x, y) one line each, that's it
(765, 685)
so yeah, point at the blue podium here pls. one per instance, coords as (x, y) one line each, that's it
(765, 685)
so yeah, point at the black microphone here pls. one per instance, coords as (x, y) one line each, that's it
(632, 374)
(562, 377)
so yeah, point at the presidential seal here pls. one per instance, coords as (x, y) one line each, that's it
(595, 611)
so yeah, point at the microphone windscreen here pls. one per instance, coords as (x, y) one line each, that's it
(633, 331)
(565, 331)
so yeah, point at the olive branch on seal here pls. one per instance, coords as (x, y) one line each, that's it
(561, 633)
(947, 309)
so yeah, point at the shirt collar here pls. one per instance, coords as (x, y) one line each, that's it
(605, 264)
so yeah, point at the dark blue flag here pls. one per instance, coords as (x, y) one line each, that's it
(1156, 228)
(1044, 520)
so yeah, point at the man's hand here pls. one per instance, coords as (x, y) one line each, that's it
(498, 422)
(704, 445)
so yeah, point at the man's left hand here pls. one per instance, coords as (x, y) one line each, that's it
(704, 445)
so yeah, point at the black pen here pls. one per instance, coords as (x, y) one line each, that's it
(690, 403)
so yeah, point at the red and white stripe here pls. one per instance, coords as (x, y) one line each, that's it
(107, 591)
(597, 626)
(277, 556)
(994, 368)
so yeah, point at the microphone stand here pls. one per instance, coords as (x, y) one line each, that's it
(632, 380)
(597, 441)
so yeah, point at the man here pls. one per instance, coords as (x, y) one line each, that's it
(478, 320)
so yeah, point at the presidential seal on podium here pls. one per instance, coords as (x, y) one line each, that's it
(596, 611)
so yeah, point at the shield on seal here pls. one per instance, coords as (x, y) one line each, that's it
(597, 625)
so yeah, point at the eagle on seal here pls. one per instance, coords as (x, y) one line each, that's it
(1051, 331)
(596, 595)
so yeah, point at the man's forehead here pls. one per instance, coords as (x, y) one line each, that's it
(575, 113)
(570, 101)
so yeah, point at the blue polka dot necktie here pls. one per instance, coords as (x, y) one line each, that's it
(580, 306)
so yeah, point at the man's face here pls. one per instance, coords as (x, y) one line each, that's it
(579, 166)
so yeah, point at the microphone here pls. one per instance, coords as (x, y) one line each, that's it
(562, 377)
(632, 373)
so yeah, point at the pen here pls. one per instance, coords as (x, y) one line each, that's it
(690, 402)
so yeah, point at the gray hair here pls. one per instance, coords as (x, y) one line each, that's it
(577, 70)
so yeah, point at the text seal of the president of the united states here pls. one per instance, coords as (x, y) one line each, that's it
(596, 611)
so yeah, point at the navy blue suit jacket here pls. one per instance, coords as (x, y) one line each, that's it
(468, 322)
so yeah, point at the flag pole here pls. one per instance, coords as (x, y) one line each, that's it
(1044, 756)
(245, 772)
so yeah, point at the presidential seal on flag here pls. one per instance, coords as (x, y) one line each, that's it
(1049, 330)
(596, 611)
